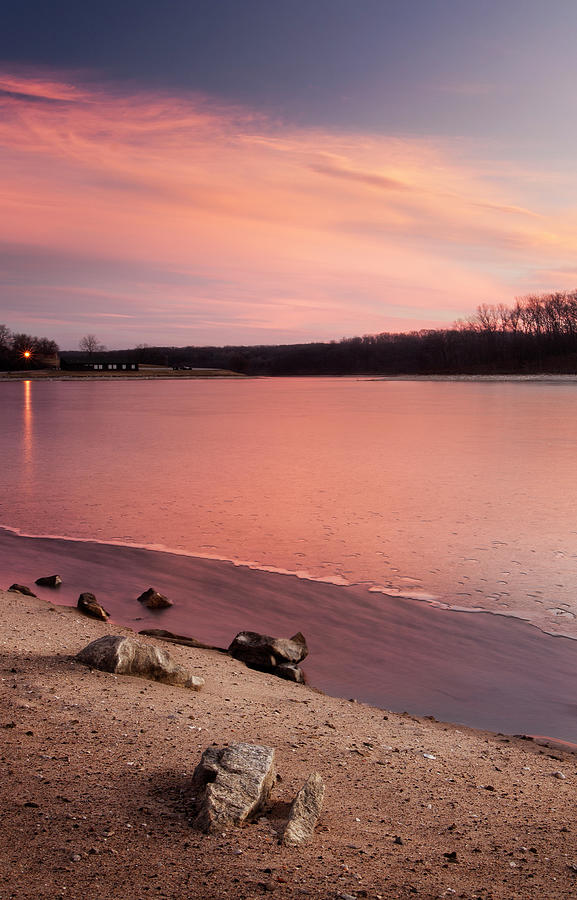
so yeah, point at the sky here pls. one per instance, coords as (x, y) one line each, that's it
(277, 171)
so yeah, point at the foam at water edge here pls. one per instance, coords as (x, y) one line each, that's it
(337, 580)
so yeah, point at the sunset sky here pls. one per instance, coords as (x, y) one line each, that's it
(272, 171)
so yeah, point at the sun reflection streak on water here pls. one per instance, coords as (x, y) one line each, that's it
(27, 438)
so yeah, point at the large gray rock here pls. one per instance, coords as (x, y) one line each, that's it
(305, 812)
(154, 600)
(261, 651)
(21, 589)
(89, 605)
(231, 784)
(126, 656)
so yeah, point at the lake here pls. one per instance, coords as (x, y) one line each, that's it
(380, 496)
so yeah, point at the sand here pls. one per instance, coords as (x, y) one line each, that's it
(95, 767)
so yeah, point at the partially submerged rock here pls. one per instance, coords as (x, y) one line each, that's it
(154, 600)
(305, 812)
(270, 654)
(127, 656)
(49, 581)
(21, 589)
(231, 785)
(89, 605)
(172, 638)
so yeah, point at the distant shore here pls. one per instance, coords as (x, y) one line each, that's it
(92, 798)
(542, 377)
(150, 374)
(143, 374)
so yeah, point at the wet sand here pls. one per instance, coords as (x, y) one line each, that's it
(94, 766)
(479, 669)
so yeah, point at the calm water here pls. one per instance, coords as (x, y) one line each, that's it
(460, 494)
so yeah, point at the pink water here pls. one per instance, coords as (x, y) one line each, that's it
(460, 492)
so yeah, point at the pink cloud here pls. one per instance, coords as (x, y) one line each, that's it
(286, 232)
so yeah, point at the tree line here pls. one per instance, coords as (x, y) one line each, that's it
(538, 333)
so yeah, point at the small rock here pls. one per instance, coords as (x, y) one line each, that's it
(559, 775)
(126, 656)
(21, 589)
(75, 857)
(451, 856)
(49, 581)
(429, 756)
(398, 840)
(279, 656)
(290, 672)
(305, 812)
(88, 604)
(231, 784)
(153, 600)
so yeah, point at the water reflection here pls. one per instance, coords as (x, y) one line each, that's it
(461, 492)
(27, 437)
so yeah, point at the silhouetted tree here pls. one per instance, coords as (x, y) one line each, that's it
(91, 345)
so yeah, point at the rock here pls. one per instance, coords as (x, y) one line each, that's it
(88, 604)
(163, 635)
(231, 784)
(153, 600)
(304, 812)
(21, 589)
(270, 654)
(290, 672)
(127, 656)
(49, 581)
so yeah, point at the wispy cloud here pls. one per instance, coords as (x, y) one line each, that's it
(155, 210)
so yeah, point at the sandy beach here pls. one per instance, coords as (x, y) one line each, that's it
(96, 767)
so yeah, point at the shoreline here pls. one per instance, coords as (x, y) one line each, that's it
(143, 375)
(57, 375)
(92, 803)
(488, 671)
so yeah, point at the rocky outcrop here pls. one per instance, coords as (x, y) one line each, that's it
(127, 656)
(172, 638)
(305, 812)
(21, 589)
(88, 604)
(153, 600)
(49, 581)
(231, 785)
(279, 656)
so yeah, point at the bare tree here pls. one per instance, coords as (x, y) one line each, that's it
(90, 344)
(5, 337)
